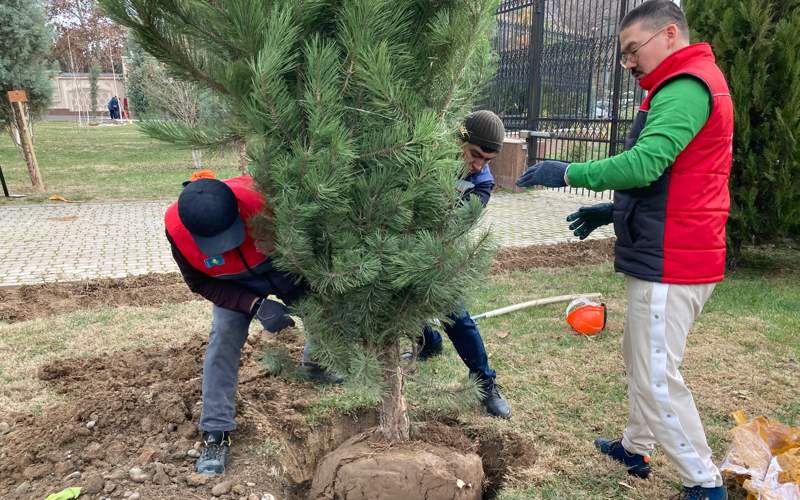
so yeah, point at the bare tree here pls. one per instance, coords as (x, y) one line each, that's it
(180, 99)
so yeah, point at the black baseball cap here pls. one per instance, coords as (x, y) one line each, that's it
(209, 210)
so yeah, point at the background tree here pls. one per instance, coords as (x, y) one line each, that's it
(154, 94)
(350, 109)
(84, 36)
(24, 47)
(94, 75)
(758, 49)
(137, 59)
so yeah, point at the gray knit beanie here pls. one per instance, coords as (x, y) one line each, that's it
(485, 129)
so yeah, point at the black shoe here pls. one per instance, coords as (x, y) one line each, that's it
(700, 493)
(638, 465)
(215, 455)
(423, 352)
(494, 401)
(318, 375)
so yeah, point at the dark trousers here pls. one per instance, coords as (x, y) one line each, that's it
(466, 338)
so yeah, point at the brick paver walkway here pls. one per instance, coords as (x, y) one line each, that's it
(69, 242)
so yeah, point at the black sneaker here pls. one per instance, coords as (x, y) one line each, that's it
(638, 465)
(215, 455)
(318, 374)
(494, 401)
(423, 352)
(700, 493)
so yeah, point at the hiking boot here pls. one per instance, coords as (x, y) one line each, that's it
(494, 401)
(318, 374)
(423, 352)
(215, 455)
(700, 493)
(638, 465)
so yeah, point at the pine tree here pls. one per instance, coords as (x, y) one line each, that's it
(24, 46)
(350, 109)
(758, 49)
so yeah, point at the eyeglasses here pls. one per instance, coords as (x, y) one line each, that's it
(627, 56)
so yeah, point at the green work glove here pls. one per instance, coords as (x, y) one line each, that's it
(587, 219)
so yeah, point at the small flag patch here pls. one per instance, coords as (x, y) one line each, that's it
(214, 261)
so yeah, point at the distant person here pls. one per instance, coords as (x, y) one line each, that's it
(113, 108)
(126, 113)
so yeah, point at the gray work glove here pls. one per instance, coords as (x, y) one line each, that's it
(548, 173)
(587, 219)
(273, 316)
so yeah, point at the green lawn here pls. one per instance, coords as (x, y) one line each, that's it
(103, 163)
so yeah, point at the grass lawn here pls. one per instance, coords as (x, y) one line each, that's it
(102, 163)
(565, 389)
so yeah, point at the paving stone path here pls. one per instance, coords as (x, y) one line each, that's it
(70, 242)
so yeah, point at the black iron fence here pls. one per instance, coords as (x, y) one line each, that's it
(559, 80)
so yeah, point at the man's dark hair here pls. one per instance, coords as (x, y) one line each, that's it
(655, 14)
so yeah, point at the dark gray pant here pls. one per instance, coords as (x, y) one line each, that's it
(221, 368)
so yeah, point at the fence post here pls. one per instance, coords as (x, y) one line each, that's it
(535, 50)
(615, 96)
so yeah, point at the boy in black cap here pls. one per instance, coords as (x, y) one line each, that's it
(482, 139)
(211, 243)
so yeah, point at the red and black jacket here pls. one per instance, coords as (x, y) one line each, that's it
(673, 231)
(227, 279)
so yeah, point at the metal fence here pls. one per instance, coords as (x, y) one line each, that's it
(558, 77)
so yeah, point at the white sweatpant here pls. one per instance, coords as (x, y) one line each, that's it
(661, 408)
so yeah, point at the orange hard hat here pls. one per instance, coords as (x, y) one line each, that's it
(586, 317)
(203, 174)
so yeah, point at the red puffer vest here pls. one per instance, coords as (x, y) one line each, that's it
(673, 231)
(231, 263)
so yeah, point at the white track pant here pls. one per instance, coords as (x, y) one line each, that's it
(661, 408)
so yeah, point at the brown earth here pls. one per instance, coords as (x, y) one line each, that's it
(569, 254)
(128, 426)
(35, 301)
(365, 468)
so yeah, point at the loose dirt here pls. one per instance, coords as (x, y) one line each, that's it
(559, 255)
(128, 423)
(128, 427)
(35, 301)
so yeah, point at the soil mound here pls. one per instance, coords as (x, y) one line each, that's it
(34, 301)
(558, 255)
(365, 468)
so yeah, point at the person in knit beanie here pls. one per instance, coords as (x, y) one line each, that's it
(482, 137)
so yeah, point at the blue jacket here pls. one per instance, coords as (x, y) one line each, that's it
(483, 184)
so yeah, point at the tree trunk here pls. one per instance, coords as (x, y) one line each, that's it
(394, 415)
(197, 158)
(27, 148)
(243, 157)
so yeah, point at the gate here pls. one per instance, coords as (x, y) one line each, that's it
(558, 79)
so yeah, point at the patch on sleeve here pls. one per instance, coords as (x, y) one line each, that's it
(214, 261)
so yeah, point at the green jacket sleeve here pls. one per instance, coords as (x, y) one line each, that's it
(677, 113)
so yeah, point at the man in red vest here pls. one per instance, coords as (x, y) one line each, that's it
(208, 229)
(670, 207)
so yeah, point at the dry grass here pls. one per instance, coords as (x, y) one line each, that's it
(565, 389)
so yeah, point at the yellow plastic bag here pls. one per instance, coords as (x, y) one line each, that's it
(765, 457)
